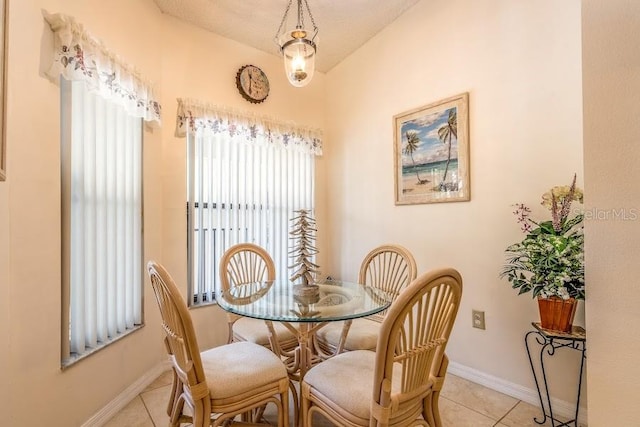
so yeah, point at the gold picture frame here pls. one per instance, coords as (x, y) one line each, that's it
(3, 87)
(431, 152)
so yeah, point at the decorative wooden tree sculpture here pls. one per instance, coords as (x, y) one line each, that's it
(302, 232)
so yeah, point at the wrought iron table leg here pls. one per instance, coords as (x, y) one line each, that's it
(535, 376)
(549, 346)
(582, 357)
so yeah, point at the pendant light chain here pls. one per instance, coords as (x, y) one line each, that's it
(300, 23)
(313, 21)
(284, 18)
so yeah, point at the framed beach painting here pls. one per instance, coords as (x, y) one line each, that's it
(431, 146)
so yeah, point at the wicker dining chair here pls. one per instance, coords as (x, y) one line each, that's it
(389, 268)
(220, 383)
(247, 263)
(399, 384)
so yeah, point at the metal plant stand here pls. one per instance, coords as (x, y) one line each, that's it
(549, 342)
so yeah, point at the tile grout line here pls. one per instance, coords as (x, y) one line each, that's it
(471, 409)
(147, 409)
(508, 412)
(149, 389)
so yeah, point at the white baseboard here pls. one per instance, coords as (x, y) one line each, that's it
(123, 399)
(560, 407)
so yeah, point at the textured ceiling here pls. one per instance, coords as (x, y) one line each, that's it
(344, 25)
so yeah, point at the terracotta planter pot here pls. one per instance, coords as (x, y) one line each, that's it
(557, 314)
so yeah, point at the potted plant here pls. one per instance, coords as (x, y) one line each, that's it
(549, 261)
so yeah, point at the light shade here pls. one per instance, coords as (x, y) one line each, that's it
(299, 56)
(298, 48)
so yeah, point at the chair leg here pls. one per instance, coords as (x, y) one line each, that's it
(201, 413)
(343, 337)
(296, 411)
(176, 389)
(305, 405)
(258, 413)
(284, 400)
(435, 410)
(176, 413)
(431, 407)
(230, 333)
(427, 411)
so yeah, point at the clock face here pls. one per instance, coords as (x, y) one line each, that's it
(252, 83)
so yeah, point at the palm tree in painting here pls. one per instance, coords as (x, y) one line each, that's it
(445, 133)
(412, 145)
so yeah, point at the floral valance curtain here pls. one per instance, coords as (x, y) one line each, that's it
(79, 56)
(195, 116)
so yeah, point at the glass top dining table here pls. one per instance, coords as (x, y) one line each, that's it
(303, 315)
(278, 301)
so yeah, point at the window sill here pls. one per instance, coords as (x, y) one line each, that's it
(203, 304)
(72, 360)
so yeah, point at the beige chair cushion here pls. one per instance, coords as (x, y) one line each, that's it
(347, 380)
(363, 334)
(256, 331)
(239, 367)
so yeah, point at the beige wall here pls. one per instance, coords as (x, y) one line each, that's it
(31, 201)
(183, 62)
(611, 70)
(202, 66)
(520, 61)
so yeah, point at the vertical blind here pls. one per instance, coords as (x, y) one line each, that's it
(103, 102)
(241, 190)
(102, 189)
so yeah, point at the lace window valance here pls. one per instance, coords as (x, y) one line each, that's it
(79, 56)
(196, 116)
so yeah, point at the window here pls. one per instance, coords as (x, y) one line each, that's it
(102, 221)
(241, 188)
(103, 103)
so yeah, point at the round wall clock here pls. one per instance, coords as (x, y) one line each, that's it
(252, 83)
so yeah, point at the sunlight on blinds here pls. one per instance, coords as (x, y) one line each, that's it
(104, 259)
(239, 192)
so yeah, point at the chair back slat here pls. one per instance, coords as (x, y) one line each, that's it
(245, 263)
(413, 337)
(176, 322)
(389, 268)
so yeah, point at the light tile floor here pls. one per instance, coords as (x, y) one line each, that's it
(462, 404)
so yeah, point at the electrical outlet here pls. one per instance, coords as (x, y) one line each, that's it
(477, 317)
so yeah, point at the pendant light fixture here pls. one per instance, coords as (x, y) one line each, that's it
(298, 46)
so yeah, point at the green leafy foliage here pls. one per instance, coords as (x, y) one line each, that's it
(549, 261)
